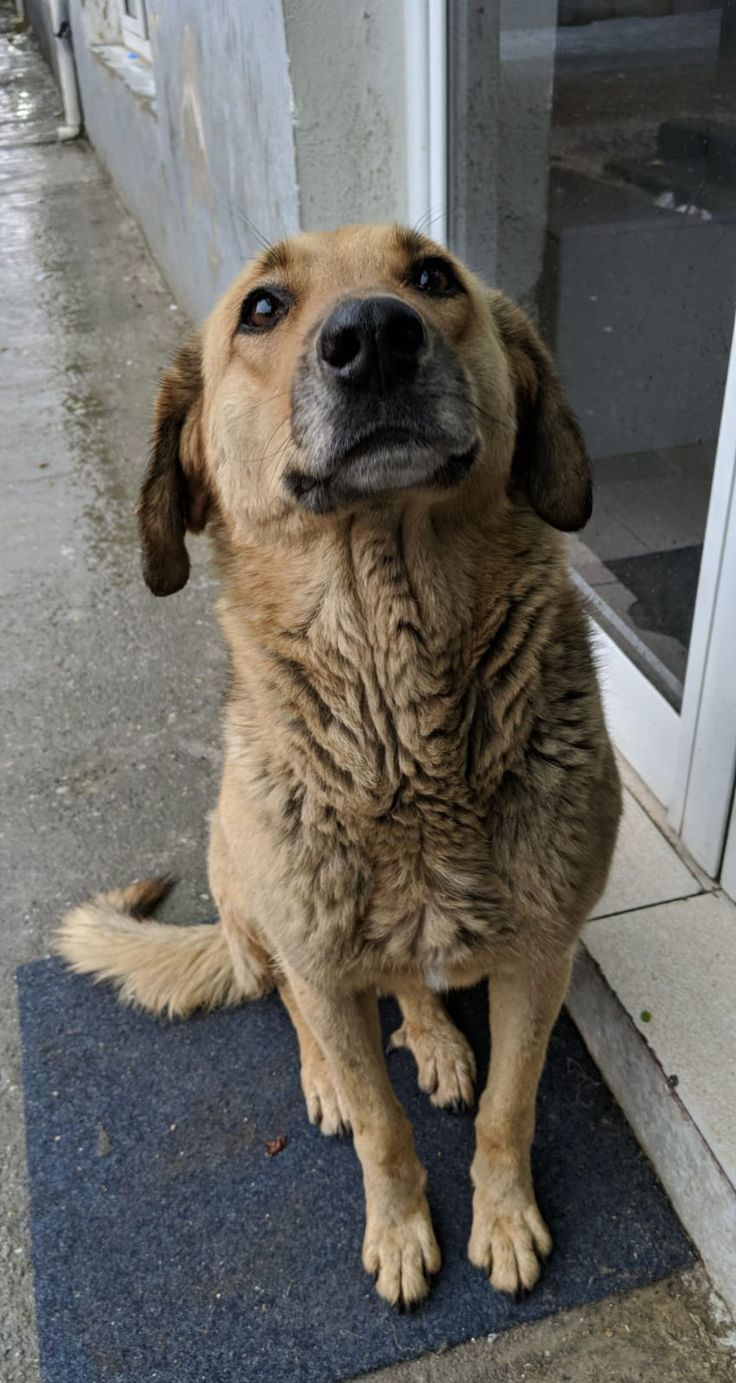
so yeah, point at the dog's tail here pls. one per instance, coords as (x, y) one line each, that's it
(160, 967)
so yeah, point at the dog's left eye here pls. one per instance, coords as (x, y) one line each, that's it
(434, 276)
(261, 310)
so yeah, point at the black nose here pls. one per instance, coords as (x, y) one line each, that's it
(372, 343)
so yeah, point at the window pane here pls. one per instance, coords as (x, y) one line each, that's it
(616, 229)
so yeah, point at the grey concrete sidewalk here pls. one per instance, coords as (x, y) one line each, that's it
(111, 746)
(109, 697)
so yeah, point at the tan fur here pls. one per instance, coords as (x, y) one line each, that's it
(172, 970)
(418, 786)
(444, 1058)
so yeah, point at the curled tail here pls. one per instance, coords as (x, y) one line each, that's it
(156, 965)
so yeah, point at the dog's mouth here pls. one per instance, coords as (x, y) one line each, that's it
(383, 460)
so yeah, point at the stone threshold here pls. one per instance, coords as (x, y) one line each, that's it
(654, 997)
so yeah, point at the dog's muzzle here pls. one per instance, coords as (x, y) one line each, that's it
(380, 403)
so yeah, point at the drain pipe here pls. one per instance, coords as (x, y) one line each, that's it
(61, 29)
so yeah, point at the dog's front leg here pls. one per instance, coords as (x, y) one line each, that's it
(509, 1236)
(399, 1246)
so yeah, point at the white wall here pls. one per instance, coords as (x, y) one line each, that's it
(215, 144)
(348, 78)
(280, 113)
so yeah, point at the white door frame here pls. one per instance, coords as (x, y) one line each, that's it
(704, 781)
(688, 759)
(643, 725)
(728, 872)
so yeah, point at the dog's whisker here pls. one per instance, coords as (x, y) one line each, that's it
(283, 422)
(427, 220)
(263, 241)
(262, 403)
(292, 331)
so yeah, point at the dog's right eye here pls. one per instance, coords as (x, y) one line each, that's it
(261, 310)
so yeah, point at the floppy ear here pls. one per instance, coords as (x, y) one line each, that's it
(550, 462)
(174, 494)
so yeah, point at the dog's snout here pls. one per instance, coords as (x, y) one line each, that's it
(372, 343)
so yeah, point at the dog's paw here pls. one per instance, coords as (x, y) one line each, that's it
(402, 1257)
(445, 1062)
(324, 1105)
(508, 1239)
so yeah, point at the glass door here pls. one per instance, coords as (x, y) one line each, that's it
(706, 768)
(592, 177)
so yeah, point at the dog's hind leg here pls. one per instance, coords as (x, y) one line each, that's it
(325, 1106)
(251, 961)
(445, 1061)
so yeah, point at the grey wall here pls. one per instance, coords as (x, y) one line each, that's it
(473, 133)
(39, 17)
(277, 112)
(501, 80)
(588, 11)
(348, 77)
(526, 75)
(216, 145)
(644, 321)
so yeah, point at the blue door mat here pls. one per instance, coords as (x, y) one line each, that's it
(170, 1247)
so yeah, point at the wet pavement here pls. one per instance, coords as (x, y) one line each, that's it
(110, 739)
(110, 744)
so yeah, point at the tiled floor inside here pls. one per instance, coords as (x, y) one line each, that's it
(641, 553)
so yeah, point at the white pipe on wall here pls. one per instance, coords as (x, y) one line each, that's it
(438, 179)
(416, 46)
(67, 72)
(425, 43)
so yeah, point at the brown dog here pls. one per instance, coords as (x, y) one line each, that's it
(418, 787)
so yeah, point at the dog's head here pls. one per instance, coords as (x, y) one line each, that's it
(359, 367)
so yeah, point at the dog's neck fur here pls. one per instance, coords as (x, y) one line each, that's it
(389, 649)
(384, 568)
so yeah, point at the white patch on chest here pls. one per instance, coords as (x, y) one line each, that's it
(435, 973)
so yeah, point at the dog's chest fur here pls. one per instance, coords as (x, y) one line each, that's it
(373, 741)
